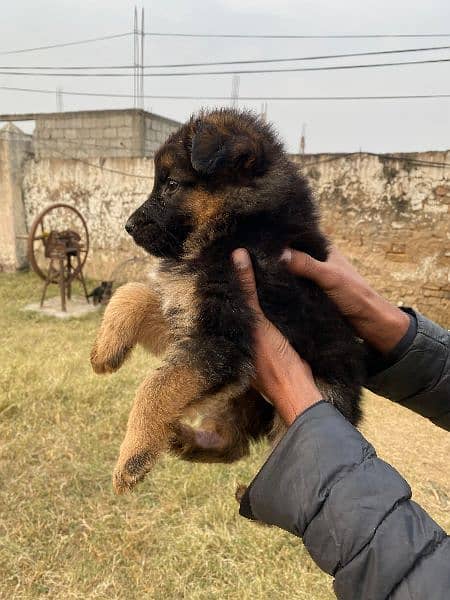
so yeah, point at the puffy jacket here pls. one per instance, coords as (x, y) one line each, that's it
(325, 484)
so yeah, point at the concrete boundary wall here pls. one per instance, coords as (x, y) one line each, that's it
(107, 133)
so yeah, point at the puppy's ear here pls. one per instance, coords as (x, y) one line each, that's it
(208, 149)
(214, 152)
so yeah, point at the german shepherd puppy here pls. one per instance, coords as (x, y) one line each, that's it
(222, 181)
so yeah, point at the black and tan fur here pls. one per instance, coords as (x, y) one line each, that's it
(222, 181)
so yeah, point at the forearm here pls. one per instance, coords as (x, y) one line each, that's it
(324, 483)
(290, 387)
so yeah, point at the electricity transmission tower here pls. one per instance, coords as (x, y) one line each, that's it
(235, 82)
(303, 139)
(264, 111)
(59, 99)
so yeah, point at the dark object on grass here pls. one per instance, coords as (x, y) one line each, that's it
(102, 293)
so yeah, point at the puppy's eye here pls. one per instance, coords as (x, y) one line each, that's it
(172, 185)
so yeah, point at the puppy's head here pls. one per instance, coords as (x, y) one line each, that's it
(197, 174)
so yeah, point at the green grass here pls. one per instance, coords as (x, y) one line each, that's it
(63, 534)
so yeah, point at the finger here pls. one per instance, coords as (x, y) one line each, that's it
(304, 265)
(244, 270)
(337, 259)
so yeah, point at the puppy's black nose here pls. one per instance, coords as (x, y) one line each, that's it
(130, 226)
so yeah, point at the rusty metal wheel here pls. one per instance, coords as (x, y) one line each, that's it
(56, 217)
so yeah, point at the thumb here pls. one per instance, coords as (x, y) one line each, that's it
(304, 265)
(246, 276)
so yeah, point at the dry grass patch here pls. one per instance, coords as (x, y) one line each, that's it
(63, 534)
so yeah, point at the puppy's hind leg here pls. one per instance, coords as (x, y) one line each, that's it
(182, 381)
(132, 316)
(159, 402)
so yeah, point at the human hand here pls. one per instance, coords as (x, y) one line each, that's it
(282, 377)
(377, 321)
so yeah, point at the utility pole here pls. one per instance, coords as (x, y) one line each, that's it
(135, 59)
(142, 58)
(138, 59)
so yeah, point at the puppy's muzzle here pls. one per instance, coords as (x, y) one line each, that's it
(137, 221)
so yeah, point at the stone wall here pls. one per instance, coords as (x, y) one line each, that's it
(392, 218)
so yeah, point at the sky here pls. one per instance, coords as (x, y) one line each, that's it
(344, 126)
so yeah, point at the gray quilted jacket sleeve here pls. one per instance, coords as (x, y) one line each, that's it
(325, 484)
(420, 379)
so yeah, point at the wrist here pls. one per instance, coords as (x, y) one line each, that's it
(381, 324)
(293, 396)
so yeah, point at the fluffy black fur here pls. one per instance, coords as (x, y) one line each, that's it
(265, 206)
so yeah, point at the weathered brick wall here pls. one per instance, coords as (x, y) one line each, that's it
(392, 218)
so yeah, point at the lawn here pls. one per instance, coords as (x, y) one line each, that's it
(63, 534)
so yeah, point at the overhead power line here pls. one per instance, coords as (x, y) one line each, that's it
(235, 72)
(228, 62)
(302, 58)
(64, 44)
(247, 98)
(228, 35)
(338, 36)
(71, 68)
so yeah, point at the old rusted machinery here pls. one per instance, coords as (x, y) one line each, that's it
(58, 245)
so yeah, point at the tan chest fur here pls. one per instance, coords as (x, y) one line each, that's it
(178, 300)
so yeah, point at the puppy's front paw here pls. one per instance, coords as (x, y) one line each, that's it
(131, 468)
(108, 355)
